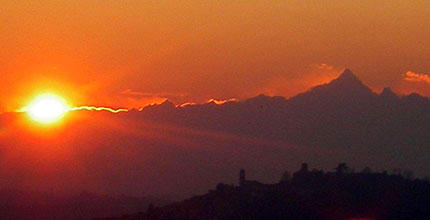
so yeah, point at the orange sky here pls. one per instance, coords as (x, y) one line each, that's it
(132, 52)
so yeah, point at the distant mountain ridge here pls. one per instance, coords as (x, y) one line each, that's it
(343, 97)
(343, 114)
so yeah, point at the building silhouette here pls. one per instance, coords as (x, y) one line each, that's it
(242, 178)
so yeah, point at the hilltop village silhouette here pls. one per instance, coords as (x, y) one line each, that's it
(340, 194)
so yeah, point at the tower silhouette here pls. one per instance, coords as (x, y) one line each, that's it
(242, 178)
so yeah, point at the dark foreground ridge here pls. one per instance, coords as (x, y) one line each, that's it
(338, 195)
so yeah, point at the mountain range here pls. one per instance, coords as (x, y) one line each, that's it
(343, 115)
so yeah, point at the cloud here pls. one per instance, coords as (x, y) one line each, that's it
(323, 66)
(220, 102)
(416, 77)
(95, 108)
(412, 82)
(186, 104)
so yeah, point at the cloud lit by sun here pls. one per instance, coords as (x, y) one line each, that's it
(95, 108)
(416, 77)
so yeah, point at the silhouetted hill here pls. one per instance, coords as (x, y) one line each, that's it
(26, 205)
(308, 195)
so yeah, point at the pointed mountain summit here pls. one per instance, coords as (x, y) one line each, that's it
(346, 84)
(348, 79)
(388, 94)
(167, 105)
(348, 75)
(388, 98)
(346, 90)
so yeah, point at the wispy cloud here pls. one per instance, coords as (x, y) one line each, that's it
(323, 66)
(220, 102)
(416, 77)
(96, 108)
(186, 104)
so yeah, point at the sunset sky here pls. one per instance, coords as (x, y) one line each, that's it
(129, 53)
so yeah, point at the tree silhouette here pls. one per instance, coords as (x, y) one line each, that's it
(341, 168)
(367, 170)
(286, 177)
(408, 174)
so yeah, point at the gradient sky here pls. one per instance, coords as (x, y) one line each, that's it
(128, 53)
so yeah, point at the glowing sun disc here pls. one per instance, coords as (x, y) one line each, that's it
(47, 108)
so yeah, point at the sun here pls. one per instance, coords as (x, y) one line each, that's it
(47, 108)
